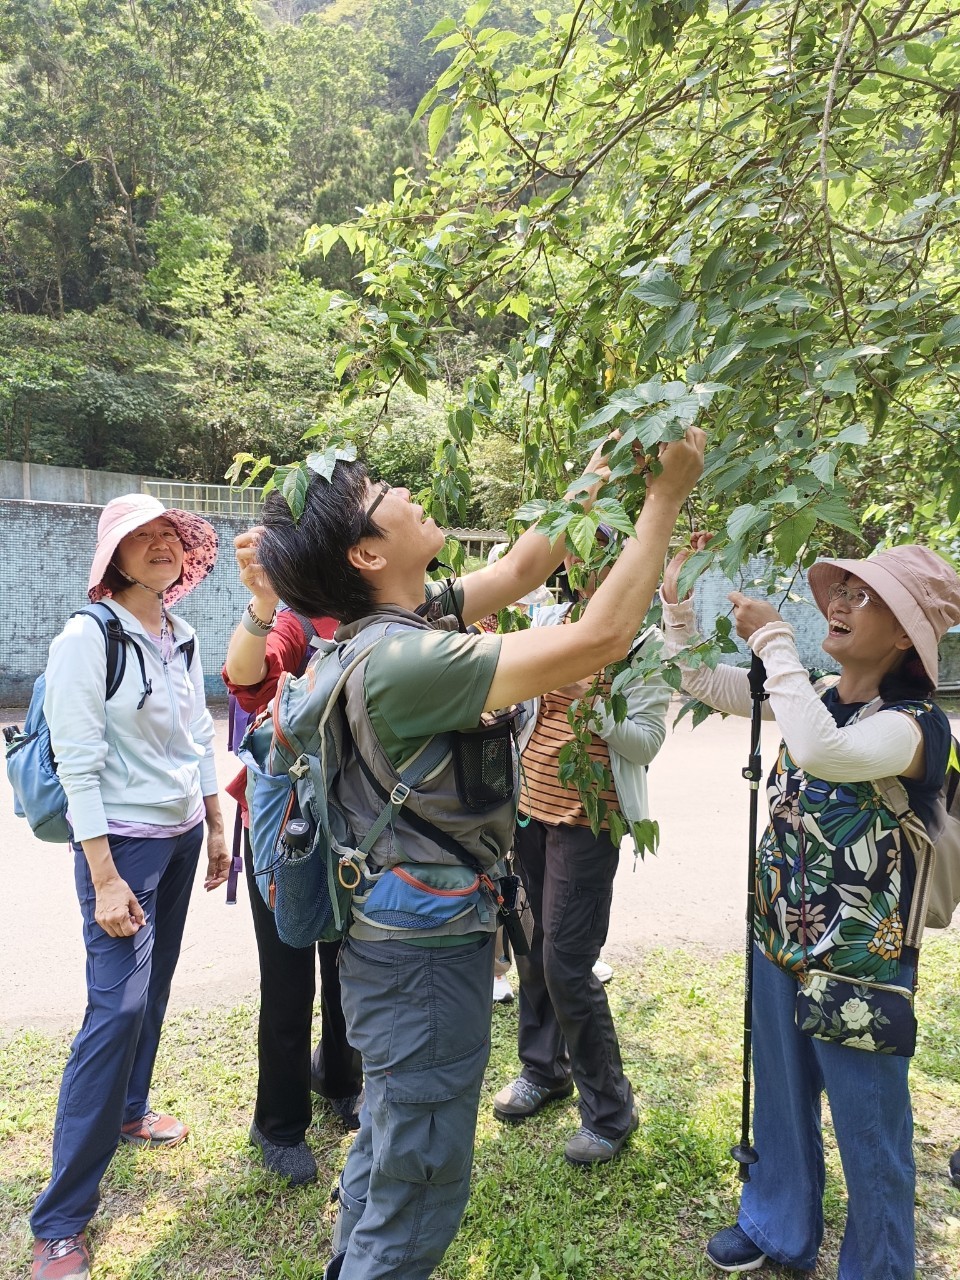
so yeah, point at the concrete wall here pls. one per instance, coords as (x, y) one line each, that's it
(38, 483)
(47, 548)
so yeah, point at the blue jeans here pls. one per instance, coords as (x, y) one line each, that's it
(106, 1081)
(781, 1207)
(420, 1018)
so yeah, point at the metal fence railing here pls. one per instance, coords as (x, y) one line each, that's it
(207, 499)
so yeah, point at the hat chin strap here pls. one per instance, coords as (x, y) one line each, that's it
(137, 583)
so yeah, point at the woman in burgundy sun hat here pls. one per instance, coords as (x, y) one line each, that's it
(834, 885)
(136, 762)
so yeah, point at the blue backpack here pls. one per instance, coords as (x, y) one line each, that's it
(306, 860)
(38, 794)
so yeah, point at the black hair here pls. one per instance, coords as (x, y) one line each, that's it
(113, 579)
(908, 681)
(306, 559)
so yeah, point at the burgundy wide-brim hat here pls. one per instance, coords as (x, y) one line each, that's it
(920, 588)
(125, 515)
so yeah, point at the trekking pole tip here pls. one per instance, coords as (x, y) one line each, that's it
(745, 1156)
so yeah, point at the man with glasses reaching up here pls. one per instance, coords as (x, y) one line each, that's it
(417, 964)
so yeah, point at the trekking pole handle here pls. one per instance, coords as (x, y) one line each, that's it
(758, 678)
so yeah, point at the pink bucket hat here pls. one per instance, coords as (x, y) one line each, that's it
(920, 588)
(123, 515)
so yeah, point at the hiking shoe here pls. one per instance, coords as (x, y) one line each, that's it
(602, 971)
(334, 1266)
(502, 991)
(296, 1163)
(522, 1098)
(587, 1147)
(65, 1259)
(347, 1110)
(732, 1250)
(955, 1168)
(154, 1130)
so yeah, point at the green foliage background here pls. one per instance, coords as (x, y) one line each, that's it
(223, 225)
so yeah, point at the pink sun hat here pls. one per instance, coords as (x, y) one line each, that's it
(124, 515)
(920, 588)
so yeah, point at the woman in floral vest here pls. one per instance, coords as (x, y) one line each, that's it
(835, 877)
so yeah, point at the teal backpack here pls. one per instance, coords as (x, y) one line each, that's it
(306, 860)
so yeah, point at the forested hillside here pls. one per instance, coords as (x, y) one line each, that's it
(225, 224)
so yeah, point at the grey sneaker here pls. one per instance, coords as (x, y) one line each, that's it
(348, 1110)
(522, 1098)
(587, 1147)
(295, 1163)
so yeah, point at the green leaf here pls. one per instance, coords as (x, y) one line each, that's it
(415, 380)
(324, 463)
(646, 836)
(742, 520)
(843, 383)
(426, 102)
(443, 28)
(664, 292)
(582, 532)
(776, 336)
(476, 12)
(792, 534)
(439, 119)
(294, 490)
(950, 335)
(834, 508)
(823, 466)
(691, 570)
(856, 433)
(919, 54)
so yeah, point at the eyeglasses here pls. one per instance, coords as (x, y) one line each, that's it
(165, 535)
(855, 597)
(384, 490)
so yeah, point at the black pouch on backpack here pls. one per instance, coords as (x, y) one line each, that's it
(516, 914)
(483, 761)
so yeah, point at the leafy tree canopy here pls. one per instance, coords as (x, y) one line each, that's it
(744, 217)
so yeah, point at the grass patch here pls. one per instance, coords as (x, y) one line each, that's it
(207, 1210)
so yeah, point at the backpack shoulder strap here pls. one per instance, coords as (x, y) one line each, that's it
(114, 638)
(953, 776)
(116, 641)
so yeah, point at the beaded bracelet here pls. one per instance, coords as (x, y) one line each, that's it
(256, 626)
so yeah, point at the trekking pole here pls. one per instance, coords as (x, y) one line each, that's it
(744, 1154)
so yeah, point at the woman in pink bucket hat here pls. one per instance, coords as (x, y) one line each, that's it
(137, 766)
(833, 972)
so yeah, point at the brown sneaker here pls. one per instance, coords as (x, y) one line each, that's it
(65, 1259)
(154, 1130)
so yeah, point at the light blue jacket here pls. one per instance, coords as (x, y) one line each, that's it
(152, 765)
(633, 742)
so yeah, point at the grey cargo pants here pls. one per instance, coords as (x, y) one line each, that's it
(420, 1018)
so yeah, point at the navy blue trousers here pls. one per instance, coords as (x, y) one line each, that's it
(106, 1081)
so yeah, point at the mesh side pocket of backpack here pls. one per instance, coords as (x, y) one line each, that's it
(484, 763)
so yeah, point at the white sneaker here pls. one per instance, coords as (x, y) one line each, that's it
(502, 991)
(602, 971)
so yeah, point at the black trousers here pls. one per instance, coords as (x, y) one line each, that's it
(288, 984)
(566, 1028)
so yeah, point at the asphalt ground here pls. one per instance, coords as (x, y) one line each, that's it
(691, 894)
